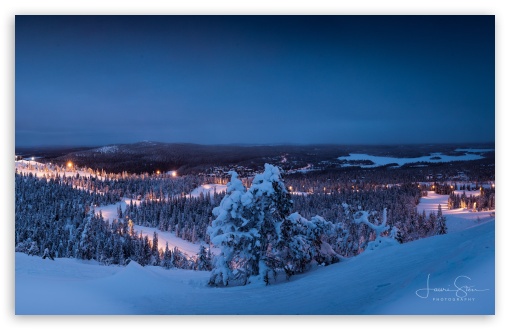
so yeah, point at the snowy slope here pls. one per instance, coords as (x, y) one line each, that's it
(456, 219)
(207, 188)
(110, 212)
(379, 282)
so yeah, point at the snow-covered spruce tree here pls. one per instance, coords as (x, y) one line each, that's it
(302, 242)
(398, 235)
(247, 227)
(155, 260)
(268, 204)
(167, 257)
(440, 225)
(203, 261)
(259, 237)
(234, 235)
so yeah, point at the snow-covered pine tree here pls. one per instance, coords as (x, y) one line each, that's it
(302, 243)
(268, 203)
(233, 234)
(247, 227)
(440, 225)
(155, 250)
(33, 250)
(87, 246)
(203, 261)
(398, 235)
(167, 257)
(119, 212)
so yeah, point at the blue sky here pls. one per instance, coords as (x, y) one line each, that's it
(97, 80)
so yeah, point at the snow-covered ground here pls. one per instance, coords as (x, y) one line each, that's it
(456, 219)
(392, 280)
(207, 188)
(380, 282)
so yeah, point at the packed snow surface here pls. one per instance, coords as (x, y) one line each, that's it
(458, 267)
(207, 188)
(456, 219)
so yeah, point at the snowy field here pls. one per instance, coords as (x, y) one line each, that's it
(380, 282)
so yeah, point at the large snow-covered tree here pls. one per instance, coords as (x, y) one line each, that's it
(302, 242)
(233, 234)
(268, 204)
(258, 236)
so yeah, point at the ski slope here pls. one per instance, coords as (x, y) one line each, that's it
(207, 189)
(456, 219)
(109, 212)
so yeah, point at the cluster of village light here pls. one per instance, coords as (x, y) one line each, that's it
(172, 173)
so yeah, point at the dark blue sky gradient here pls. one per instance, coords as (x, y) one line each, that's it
(97, 80)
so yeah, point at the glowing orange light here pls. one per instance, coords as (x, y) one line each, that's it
(69, 164)
(157, 172)
(174, 173)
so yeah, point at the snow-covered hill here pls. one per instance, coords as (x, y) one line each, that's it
(380, 282)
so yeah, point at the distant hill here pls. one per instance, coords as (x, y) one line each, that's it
(189, 158)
